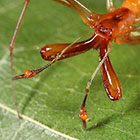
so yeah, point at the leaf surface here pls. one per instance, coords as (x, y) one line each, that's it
(53, 98)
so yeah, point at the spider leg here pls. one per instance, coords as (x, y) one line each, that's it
(55, 52)
(49, 52)
(110, 79)
(89, 17)
(83, 114)
(12, 46)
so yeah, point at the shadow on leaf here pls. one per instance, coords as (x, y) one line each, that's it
(37, 86)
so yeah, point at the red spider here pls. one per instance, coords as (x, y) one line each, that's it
(117, 24)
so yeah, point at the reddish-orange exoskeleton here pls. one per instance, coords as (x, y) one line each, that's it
(117, 24)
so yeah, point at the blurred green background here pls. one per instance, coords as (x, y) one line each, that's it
(54, 97)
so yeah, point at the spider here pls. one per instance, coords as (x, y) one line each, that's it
(117, 24)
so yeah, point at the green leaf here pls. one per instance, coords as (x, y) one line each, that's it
(53, 98)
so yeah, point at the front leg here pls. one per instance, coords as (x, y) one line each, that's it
(56, 52)
(89, 17)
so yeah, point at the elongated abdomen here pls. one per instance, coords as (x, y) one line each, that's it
(110, 79)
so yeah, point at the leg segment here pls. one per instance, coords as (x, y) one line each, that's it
(83, 115)
(12, 45)
(57, 52)
(49, 52)
(110, 79)
(88, 16)
(109, 5)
